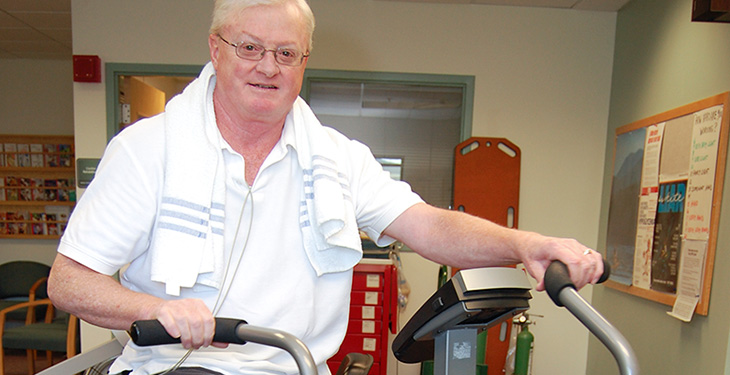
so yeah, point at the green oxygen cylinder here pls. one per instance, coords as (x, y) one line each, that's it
(523, 353)
(443, 275)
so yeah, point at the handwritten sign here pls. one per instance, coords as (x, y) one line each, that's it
(700, 184)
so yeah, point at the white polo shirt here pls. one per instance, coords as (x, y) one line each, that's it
(273, 284)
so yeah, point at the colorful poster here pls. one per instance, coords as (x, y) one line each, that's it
(668, 236)
(644, 241)
(647, 207)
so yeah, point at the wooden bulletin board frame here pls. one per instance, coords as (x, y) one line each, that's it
(625, 200)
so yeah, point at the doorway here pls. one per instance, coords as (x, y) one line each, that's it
(146, 96)
(134, 91)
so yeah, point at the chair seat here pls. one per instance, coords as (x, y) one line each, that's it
(22, 324)
(39, 336)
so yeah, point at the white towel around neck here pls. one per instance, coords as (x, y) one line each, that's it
(187, 245)
(327, 215)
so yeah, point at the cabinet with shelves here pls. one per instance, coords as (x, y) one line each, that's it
(373, 315)
(37, 185)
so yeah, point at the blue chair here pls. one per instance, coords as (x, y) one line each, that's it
(28, 319)
(20, 281)
(58, 332)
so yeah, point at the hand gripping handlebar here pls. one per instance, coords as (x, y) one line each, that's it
(234, 331)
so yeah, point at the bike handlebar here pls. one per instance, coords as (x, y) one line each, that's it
(563, 293)
(151, 332)
(234, 331)
(557, 277)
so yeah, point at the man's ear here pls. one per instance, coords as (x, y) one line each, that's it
(213, 46)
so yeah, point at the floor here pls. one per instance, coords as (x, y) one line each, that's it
(16, 362)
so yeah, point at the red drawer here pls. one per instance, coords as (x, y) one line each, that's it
(367, 281)
(369, 344)
(366, 298)
(366, 312)
(364, 326)
(375, 369)
(334, 365)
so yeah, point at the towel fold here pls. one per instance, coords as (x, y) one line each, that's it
(327, 215)
(187, 244)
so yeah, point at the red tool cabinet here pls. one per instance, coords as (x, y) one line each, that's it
(373, 315)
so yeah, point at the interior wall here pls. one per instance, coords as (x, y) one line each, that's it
(542, 81)
(663, 61)
(35, 99)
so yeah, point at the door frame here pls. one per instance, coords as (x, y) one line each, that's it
(114, 70)
(466, 83)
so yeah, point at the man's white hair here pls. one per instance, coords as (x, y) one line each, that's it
(224, 9)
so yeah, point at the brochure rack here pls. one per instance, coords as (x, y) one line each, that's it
(37, 189)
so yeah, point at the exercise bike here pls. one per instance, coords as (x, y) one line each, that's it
(443, 329)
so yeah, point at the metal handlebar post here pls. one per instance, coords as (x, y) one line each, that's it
(151, 332)
(602, 329)
(283, 340)
(563, 293)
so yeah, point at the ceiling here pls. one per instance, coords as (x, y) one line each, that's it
(596, 5)
(41, 29)
(35, 29)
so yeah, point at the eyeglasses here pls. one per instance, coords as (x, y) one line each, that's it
(255, 52)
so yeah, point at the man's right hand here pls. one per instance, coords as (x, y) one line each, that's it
(190, 320)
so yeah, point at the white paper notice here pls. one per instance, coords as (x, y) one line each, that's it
(647, 207)
(644, 241)
(701, 181)
(690, 279)
(652, 151)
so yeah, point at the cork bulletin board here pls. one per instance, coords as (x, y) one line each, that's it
(666, 191)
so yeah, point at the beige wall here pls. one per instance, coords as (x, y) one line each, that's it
(664, 61)
(35, 99)
(543, 79)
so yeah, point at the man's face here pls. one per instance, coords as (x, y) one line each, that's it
(259, 90)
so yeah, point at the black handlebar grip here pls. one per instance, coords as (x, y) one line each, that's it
(557, 277)
(606, 272)
(151, 332)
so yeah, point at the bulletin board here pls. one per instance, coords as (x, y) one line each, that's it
(668, 174)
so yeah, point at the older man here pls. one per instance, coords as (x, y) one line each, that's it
(237, 202)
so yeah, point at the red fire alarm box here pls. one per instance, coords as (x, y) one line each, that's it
(87, 68)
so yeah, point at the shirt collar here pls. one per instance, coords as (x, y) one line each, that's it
(282, 147)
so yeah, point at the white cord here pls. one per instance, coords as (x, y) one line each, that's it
(223, 294)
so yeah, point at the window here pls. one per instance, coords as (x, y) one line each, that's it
(411, 123)
(392, 165)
